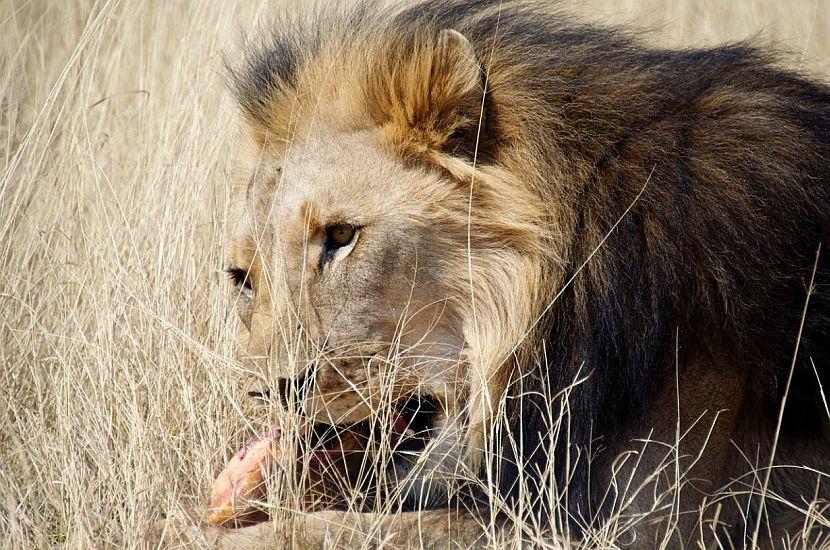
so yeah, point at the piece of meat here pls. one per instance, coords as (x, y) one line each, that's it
(236, 492)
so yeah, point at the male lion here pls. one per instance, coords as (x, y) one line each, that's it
(544, 276)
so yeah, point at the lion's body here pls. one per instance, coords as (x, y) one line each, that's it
(584, 209)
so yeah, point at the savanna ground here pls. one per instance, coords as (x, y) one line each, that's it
(119, 395)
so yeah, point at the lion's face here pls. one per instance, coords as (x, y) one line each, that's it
(342, 260)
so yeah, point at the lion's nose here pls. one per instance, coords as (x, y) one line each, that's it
(259, 390)
(262, 393)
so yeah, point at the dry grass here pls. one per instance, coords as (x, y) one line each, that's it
(120, 395)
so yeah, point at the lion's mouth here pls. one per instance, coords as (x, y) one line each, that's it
(404, 430)
(346, 464)
(354, 465)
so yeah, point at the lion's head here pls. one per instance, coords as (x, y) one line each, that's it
(374, 263)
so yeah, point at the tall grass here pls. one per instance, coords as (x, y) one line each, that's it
(119, 393)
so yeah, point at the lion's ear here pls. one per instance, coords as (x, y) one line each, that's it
(455, 84)
(436, 95)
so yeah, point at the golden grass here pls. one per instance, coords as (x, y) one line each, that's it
(119, 394)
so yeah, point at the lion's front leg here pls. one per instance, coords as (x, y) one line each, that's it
(171, 534)
(331, 529)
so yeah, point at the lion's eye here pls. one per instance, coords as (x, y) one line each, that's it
(338, 236)
(240, 279)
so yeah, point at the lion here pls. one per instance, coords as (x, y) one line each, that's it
(534, 264)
